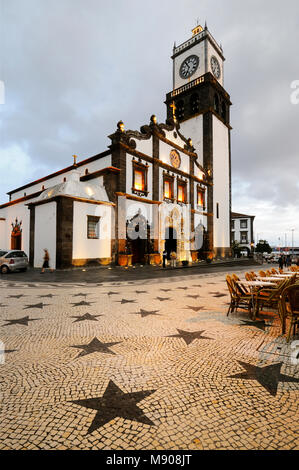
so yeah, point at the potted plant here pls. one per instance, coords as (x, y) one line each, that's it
(125, 257)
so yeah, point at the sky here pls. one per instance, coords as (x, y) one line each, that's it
(71, 69)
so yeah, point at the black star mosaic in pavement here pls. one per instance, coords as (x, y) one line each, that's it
(2, 305)
(20, 321)
(95, 346)
(217, 294)
(196, 285)
(115, 403)
(163, 298)
(47, 295)
(126, 301)
(145, 313)
(192, 296)
(183, 288)
(16, 296)
(86, 316)
(267, 376)
(188, 336)
(111, 293)
(166, 290)
(195, 309)
(81, 295)
(260, 324)
(83, 302)
(141, 291)
(40, 305)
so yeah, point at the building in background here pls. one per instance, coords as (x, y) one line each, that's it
(242, 231)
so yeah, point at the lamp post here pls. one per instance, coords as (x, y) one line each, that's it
(292, 230)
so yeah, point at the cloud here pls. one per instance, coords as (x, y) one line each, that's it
(72, 69)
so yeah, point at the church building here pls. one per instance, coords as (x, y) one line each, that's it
(166, 187)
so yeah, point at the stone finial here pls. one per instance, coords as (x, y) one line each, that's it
(190, 142)
(206, 26)
(120, 126)
(153, 119)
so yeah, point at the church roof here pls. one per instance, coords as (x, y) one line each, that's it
(236, 215)
(76, 188)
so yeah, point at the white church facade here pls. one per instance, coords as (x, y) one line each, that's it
(165, 187)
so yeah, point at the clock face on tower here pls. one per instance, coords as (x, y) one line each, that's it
(189, 66)
(215, 67)
(175, 158)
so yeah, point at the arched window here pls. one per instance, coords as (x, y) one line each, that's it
(194, 103)
(216, 103)
(180, 110)
(223, 110)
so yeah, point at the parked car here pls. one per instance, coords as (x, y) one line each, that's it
(13, 260)
(273, 258)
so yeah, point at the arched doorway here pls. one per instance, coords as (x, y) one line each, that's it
(16, 236)
(170, 241)
(138, 238)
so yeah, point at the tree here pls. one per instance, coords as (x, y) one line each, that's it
(263, 247)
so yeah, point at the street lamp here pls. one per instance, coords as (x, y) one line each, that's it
(292, 230)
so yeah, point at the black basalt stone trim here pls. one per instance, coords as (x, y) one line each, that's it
(230, 185)
(64, 232)
(208, 164)
(31, 235)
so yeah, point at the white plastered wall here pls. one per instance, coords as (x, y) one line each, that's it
(2, 232)
(144, 146)
(45, 233)
(212, 52)
(86, 248)
(221, 184)
(193, 128)
(164, 153)
(10, 213)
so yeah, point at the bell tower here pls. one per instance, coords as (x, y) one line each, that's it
(202, 109)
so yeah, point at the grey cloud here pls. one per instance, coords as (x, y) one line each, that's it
(73, 68)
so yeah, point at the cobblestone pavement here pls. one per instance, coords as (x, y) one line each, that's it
(148, 364)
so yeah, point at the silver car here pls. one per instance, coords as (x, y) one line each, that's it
(13, 260)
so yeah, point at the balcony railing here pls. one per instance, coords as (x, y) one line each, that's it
(189, 85)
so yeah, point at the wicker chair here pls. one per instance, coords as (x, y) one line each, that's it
(237, 296)
(271, 297)
(273, 270)
(289, 308)
(280, 271)
(262, 274)
(242, 288)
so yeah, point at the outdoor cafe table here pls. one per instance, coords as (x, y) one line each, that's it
(270, 278)
(284, 275)
(252, 285)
